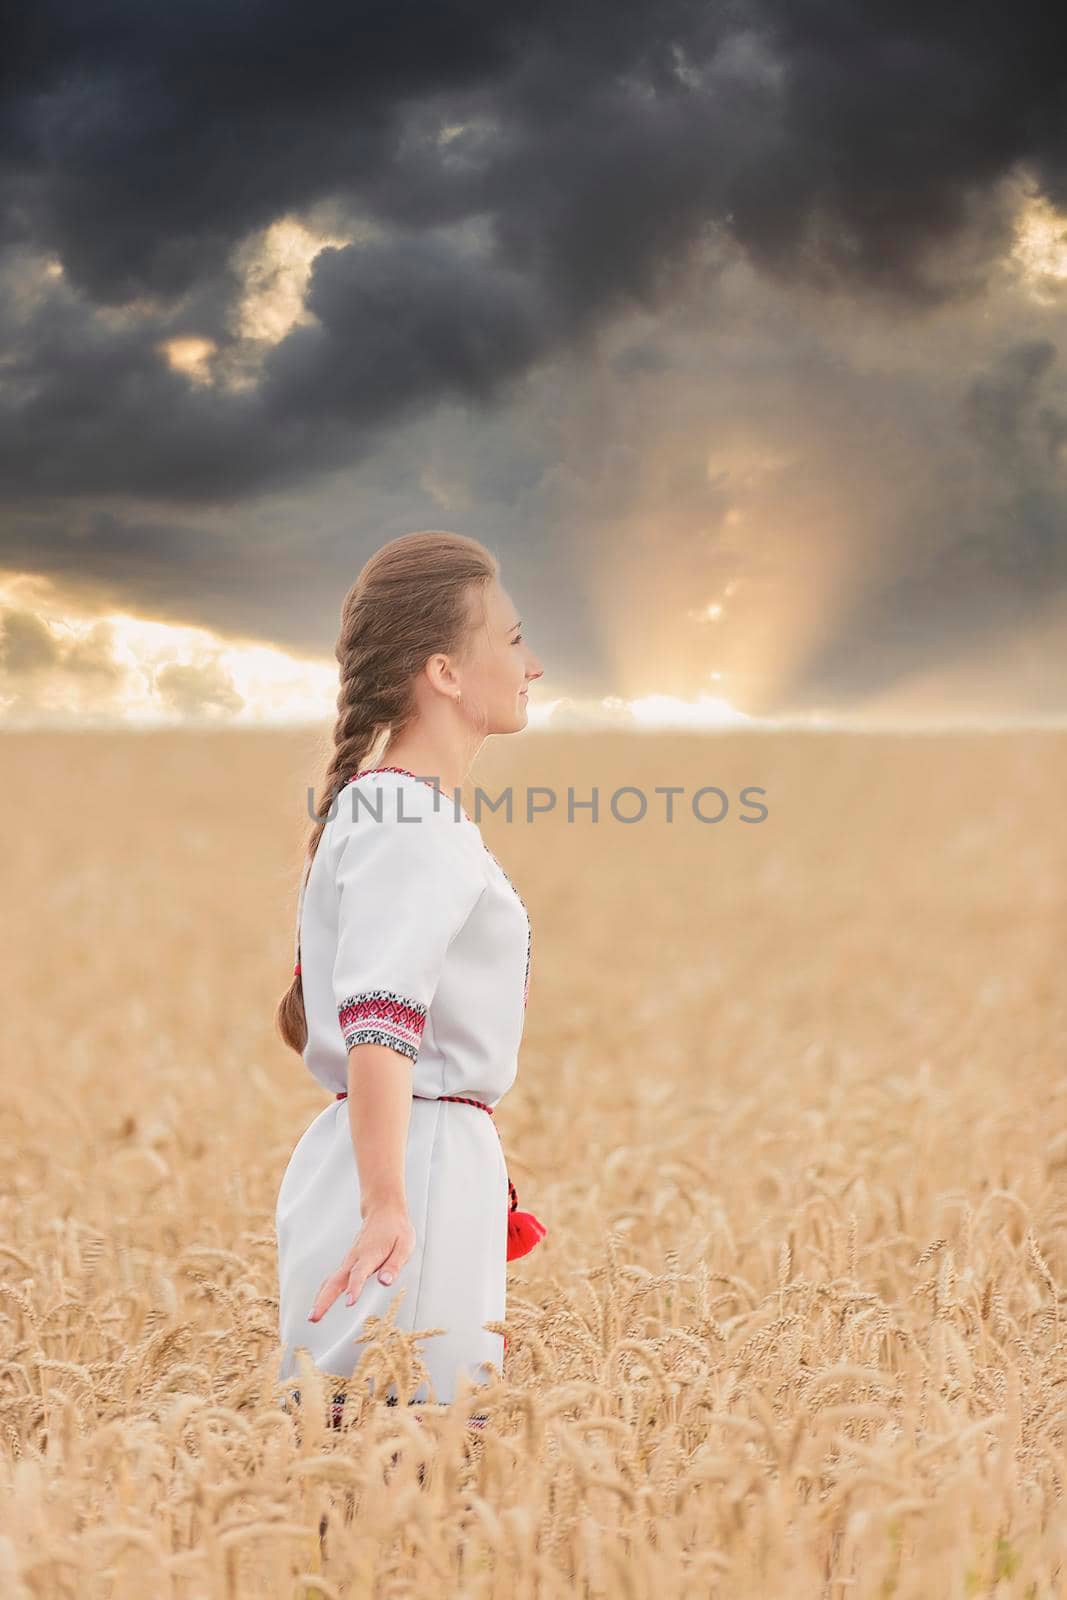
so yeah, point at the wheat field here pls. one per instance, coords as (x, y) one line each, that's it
(791, 1104)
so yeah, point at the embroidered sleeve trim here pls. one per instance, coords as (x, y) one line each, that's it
(379, 1016)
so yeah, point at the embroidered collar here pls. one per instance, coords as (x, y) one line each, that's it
(369, 771)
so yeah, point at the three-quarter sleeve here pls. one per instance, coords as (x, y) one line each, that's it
(406, 885)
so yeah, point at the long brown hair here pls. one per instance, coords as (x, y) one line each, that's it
(416, 596)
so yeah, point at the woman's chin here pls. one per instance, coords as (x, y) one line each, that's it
(513, 723)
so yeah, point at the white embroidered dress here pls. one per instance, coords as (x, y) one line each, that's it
(411, 935)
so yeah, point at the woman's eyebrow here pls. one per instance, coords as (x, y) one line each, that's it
(515, 625)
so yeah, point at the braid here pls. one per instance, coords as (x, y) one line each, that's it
(409, 601)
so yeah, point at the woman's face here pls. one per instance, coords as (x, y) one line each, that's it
(501, 666)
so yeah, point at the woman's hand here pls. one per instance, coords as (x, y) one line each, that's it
(383, 1245)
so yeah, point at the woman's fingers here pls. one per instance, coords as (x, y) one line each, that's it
(388, 1267)
(358, 1276)
(386, 1258)
(328, 1292)
(393, 1262)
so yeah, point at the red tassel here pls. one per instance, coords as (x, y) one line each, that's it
(524, 1231)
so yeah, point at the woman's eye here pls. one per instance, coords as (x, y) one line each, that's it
(517, 639)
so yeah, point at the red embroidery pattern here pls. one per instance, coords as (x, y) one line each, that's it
(367, 771)
(378, 1016)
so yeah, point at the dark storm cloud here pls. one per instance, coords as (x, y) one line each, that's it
(1001, 402)
(181, 573)
(988, 559)
(595, 160)
(397, 323)
(141, 146)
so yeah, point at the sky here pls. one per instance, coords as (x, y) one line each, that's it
(734, 330)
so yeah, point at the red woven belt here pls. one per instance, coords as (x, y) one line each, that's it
(524, 1230)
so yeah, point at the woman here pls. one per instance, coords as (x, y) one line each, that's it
(411, 978)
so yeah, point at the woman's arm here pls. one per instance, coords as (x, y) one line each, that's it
(379, 1111)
